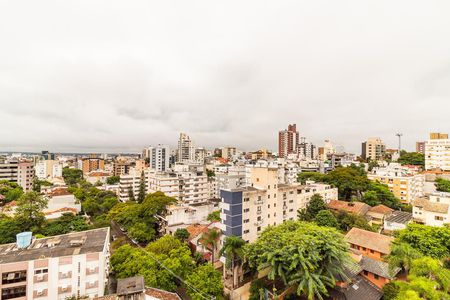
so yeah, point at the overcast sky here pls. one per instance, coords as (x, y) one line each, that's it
(119, 75)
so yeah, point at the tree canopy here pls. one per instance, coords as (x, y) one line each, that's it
(315, 205)
(214, 216)
(11, 190)
(326, 218)
(302, 255)
(411, 158)
(429, 240)
(112, 180)
(442, 185)
(72, 176)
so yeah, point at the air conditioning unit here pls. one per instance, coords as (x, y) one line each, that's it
(39, 292)
(64, 288)
(40, 277)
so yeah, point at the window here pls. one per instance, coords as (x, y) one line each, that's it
(268, 206)
(268, 196)
(376, 276)
(291, 210)
(41, 271)
(366, 273)
(439, 218)
(259, 218)
(371, 251)
(258, 229)
(246, 199)
(246, 231)
(246, 220)
(246, 209)
(268, 215)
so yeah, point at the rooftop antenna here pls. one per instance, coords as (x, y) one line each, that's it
(399, 141)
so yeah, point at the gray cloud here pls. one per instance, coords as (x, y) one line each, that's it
(114, 75)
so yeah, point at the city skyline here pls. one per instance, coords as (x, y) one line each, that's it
(340, 72)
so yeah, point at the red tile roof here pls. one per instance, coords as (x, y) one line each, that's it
(381, 209)
(162, 295)
(59, 192)
(370, 240)
(358, 208)
(196, 229)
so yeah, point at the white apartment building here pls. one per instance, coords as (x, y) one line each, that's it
(48, 169)
(434, 211)
(246, 211)
(373, 149)
(186, 149)
(403, 182)
(437, 152)
(58, 267)
(186, 186)
(159, 157)
(132, 181)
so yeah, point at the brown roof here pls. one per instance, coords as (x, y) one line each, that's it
(358, 208)
(370, 240)
(98, 174)
(381, 209)
(427, 205)
(160, 294)
(59, 192)
(62, 209)
(196, 229)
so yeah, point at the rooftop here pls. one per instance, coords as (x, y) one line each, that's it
(401, 217)
(131, 285)
(358, 208)
(377, 267)
(381, 209)
(359, 289)
(160, 294)
(427, 205)
(59, 192)
(370, 240)
(90, 241)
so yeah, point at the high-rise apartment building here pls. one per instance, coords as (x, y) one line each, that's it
(21, 172)
(306, 150)
(264, 201)
(186, 149)
(121, 166)
(46, 169)
(58, 267)
(437, 152)
(92, 163)
(288, 140)
(420, 147)
(373, 149)
(158, 157)
(228, 152)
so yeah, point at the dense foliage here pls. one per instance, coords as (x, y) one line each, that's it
(169, 252)
(352, 182)
(411, 158)
(141, 219)
(326, 218)
(112, 180)
(10, 190)
(214, 216)
(72, 176)
(430, 241)
(315, 205)
(442, 185)
(302, 255)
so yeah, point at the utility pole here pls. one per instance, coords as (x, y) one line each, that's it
(399, 141)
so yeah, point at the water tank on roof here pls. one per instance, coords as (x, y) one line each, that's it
(24, 239)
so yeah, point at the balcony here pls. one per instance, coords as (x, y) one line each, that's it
(14, 277)
(259, 201)
(259, 223)
(92, 285)
(64, 289)
(41, 293)
(258, 212)
(18, 292)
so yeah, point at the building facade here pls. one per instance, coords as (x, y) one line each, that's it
(434, 211)
(288, 140)
(21, 172)
(159, 158)
(437, 152)
(58, 267)
(373, 149)
(186, 149)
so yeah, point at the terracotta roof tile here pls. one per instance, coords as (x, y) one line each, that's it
(370, 240)
(427, 205)
(381, 209)
(358, 208)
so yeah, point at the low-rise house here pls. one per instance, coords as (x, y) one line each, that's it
(196, 232)
(97, 176)
(60, 201)
(377, 271)
(398, 220)
(379, 213)
(357, 208)
(434, 211)
(368, 243)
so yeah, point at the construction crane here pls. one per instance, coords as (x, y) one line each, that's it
(399, 141)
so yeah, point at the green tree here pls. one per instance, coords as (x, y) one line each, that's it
(141, 194)
(347, 221)
(314, 176)
(326, 218)
(182, 234)
(66, 223)
(411, 158)
(214, 216)
(141, 232)
(209, 240)
(442, 185)
(402, 256)
(210, 173)
(233, 250)
(430, 241)
(37, 184)
(9, 227)
(112, 180)
(10, 190)
(29, 210)
(379, 193)
(207, 281)
(131, 194)
(72, 176)
(164, 245)
(315, 205)
(432, 269)
(303, 255)
(350, 181)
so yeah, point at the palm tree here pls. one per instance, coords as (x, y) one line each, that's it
(211, 238)
(402, 256)
(233, 249)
